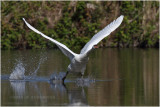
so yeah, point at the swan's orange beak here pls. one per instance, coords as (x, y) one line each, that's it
(96, 46)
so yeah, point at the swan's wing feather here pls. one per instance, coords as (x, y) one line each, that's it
(62, 47)
(102, 34)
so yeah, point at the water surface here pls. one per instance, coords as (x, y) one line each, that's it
(123, 77)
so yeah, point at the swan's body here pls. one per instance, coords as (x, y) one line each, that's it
(79, 61)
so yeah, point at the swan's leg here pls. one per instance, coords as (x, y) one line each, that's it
(65, 76)
(82, 75)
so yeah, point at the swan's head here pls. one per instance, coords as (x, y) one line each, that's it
(95, 47)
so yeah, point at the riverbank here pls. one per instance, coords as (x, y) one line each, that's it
(74, 23)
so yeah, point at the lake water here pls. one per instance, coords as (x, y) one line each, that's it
(123, 77)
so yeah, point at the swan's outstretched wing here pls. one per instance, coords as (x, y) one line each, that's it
(102, 34)
(62, 47)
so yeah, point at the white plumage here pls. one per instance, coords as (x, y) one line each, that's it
(79, 61)
(102, 34)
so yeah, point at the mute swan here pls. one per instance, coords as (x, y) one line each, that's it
(79, 61)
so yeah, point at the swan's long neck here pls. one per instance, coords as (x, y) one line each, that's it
(89, 51)
(85, 55)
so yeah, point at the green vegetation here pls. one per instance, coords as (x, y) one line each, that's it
(74, 23)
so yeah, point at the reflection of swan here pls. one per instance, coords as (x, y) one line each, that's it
(79, 61)
(58, 88)
(76, 95)
(19, 88)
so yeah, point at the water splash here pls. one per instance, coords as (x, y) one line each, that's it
(57, 76)
(34, 74)
(85, 81)
(18, 72)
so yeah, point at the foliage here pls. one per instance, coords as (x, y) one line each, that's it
(74, 23)
(132, 29)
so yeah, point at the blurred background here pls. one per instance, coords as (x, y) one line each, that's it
(73, 23)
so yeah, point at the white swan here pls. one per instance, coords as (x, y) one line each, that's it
(79, 61)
